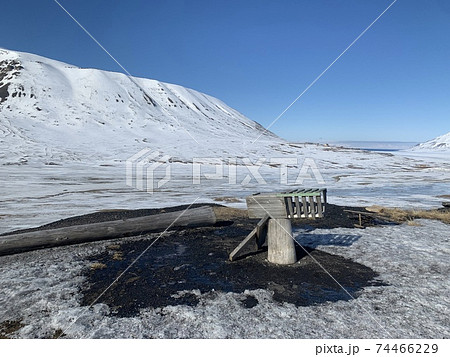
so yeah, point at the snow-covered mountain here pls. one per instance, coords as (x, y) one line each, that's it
(441, 143)
(53, 111)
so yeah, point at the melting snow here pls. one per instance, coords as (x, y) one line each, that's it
(42, 289)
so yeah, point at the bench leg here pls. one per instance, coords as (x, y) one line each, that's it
(281, 248)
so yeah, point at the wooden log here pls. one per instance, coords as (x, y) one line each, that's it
(194, 217)
(281, 248)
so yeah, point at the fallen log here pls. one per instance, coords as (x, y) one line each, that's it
(21, 242)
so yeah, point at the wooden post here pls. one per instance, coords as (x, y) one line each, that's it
(280, 242)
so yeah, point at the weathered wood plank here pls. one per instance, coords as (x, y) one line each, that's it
(260, 205)
(234, 254)
(305, 207)
(298, 194)
(312, 207)
(195, 217)
(254, 233)
(319, 207)
(361, 212)
(261, 231)
(288, 201)
(299, 208)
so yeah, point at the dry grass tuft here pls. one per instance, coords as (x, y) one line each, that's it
(97, 265)
(113, 247)
(8, 327)
(228, 199)
(229, 213)
(117, 256)
(401, 216)
(413, 223)
(443, 216)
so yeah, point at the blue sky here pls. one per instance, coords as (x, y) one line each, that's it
(258, 56)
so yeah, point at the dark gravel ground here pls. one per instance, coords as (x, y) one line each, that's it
(197, 258)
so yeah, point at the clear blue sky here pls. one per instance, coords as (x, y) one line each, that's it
(257, 56)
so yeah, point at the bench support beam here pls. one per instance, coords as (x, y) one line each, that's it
(259, 232)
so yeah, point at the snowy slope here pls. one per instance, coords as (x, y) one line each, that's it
(441, 143)
(54, 111)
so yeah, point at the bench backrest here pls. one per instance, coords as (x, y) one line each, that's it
(300, 203)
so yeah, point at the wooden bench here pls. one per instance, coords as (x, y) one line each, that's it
(301, 203)
(275, 211)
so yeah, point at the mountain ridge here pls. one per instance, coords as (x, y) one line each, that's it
(53, 110)
(440, 143)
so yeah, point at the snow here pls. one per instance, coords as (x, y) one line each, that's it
(42, 289)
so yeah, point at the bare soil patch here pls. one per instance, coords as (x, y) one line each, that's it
(9, 327)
